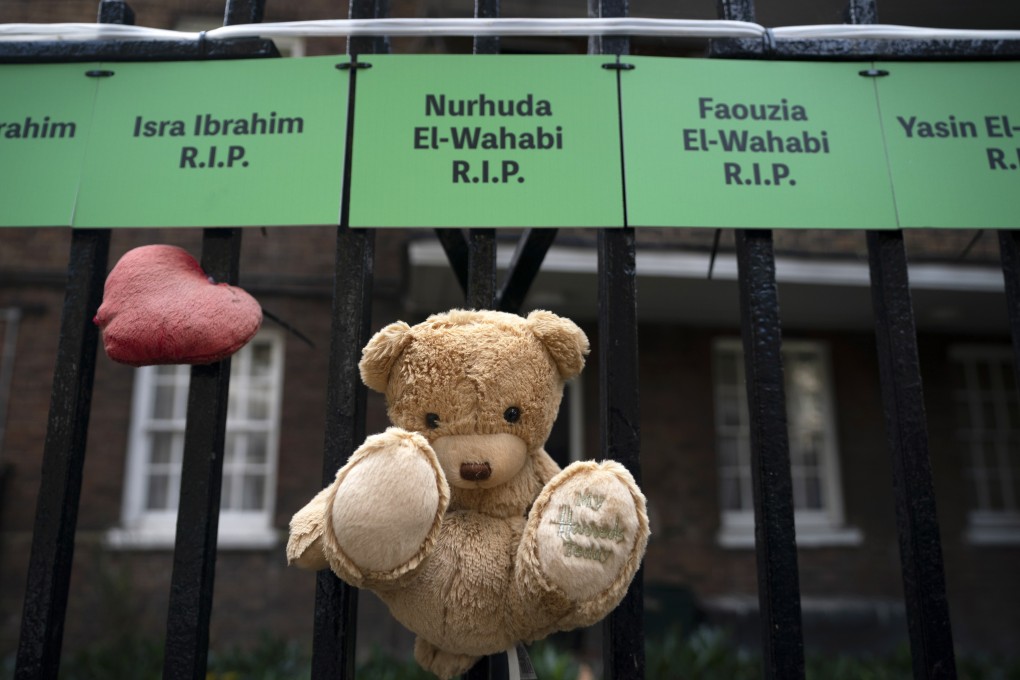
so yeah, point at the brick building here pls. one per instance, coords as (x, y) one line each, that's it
(693, 426)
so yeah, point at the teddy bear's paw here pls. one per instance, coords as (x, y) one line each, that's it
(590, 529)
(388, 506)
(444, 664)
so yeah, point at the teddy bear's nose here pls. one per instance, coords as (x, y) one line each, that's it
(475, 472)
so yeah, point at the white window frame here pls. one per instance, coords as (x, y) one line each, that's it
(986, 526)
(815, 527)
(145, 528)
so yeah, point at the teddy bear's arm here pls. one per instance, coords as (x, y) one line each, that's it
(380, 518)
(582, 545)
(304, 547)
(545, 467)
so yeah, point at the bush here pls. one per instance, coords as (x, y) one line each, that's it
(710, 653)
(130, 657)
(553, 663)
(705, 654)
(271, 659)
(387, 667)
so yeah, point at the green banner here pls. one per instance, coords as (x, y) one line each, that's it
(45, 114)
(753, 144)
(209, 144)
(952, 134)
(486, 141)
(511, 141)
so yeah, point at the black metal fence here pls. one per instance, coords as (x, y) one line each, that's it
(473, 260)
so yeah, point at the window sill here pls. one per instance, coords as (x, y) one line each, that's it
(121, 538)
(807, 537)
(981, 534)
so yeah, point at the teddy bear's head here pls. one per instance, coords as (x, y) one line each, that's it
(483, 388)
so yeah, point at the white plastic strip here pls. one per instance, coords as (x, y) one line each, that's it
(509, 27)
(76, 32)
(678, 28)
(887, 32)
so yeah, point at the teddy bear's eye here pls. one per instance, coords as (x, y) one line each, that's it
(512, 414)
(432, 420)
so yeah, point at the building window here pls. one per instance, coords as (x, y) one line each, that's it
(156, 450)
(988, 431)
(814, 461)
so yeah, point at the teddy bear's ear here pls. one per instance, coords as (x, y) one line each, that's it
(381, 351)
(567, 343)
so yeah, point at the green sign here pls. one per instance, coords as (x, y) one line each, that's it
(486, 141)
(218, 143)
(511, 141)
(952, 134)
(45, 113)
(753, 144)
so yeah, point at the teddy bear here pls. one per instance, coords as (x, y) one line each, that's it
(455, 516)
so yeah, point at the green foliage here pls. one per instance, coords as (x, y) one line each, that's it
(987, 667)
(271, 659)
(710, 653)
(705, 654)
(895, 666)
(138, 658)
(386, 667)
(552, 663)
(127, 657)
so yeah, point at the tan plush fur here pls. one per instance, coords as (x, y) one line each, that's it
(456, 516)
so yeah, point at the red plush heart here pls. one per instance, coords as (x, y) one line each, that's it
(159, 307)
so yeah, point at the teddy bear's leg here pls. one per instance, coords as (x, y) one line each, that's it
(444, 664)
(387, 509)
(585, 536)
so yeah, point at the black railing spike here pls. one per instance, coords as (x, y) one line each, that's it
(53, 534)
(481, 288)
(334, 635)
(524, 267)
(931, 640)
(1009, 253)
(782, 637)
